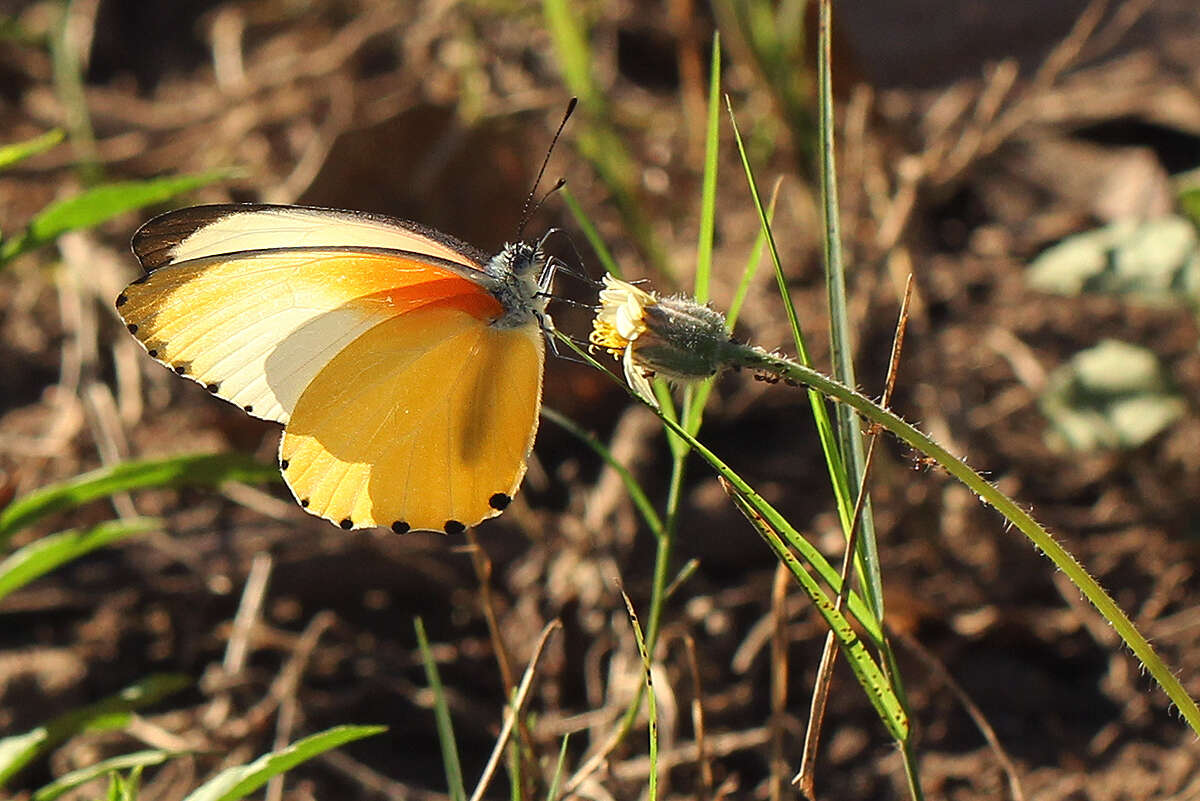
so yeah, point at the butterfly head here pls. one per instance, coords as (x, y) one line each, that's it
(521, 275)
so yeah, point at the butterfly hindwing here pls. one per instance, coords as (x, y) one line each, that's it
(423, 422)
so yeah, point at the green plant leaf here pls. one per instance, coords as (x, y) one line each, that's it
(110, 713)
(1189, 203)
(69, 781)
(93, 206)
(238, 782)
(45, 554)
(19, 151)
(1111, 396)
(441, 712)
(1154, 261)
(178, 471)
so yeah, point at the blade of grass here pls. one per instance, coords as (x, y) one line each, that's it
(597, 140)
(68, 48)
(652, 706)
(869, 676)
(441, 712)
(708, 192)
(751, 268)
(841, 346)
(47, 553)
(69, 781)
(692, 413)
(238, 782)
(19, 151)
(178, 471)
(833, 460)
(93, 206)
(552, 793)
(110, 713)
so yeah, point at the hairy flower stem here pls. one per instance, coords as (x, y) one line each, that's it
(736, 354)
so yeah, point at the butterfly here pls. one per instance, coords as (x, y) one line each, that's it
(404, 365)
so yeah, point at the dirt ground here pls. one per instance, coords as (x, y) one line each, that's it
(971, 139)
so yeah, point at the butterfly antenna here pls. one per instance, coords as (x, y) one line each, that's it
(530, 208)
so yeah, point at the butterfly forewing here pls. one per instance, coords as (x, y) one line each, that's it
(423, 422)
(255, 328)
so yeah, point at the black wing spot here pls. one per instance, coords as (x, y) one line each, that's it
(283, 464)
(213, 388)
(400, 527)
(304, 503)
(181, 369)
(454, 527)
(499, 501)
(122, 299)
(132, 328)
(247, 408)
(153, 353)
(347, 524)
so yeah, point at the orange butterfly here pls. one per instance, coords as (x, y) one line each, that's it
(406, 366)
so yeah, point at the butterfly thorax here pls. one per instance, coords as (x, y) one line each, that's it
(520, 279)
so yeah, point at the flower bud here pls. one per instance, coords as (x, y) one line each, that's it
(676, 337)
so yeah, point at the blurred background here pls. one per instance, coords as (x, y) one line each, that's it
(1030, 164)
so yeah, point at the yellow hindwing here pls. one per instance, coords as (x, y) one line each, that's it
(424, 421)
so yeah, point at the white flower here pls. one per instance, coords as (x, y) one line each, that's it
(675, 337)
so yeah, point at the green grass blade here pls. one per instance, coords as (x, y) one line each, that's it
(48, 553)
(696, 397)
(19, 151)
(751, 268)
(652, 702)
(641, 501)
(552, 793)
(869, 676)
(841, 345)
(574, 54)
(829, 446)
(874, 683)
(69, 781)
(441, 712)
(238, 782)
(178, 471)
(590, 233)
(708, 192)
(66, 45)
(94, 206)
(597, 140)
(110, 713)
